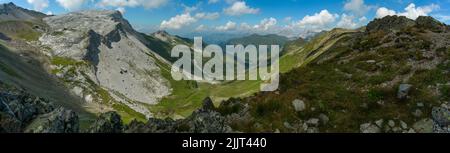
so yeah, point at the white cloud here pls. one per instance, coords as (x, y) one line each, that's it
(245, 26)
(121, 10)
(347, 21)
(382, 12)
(208, 16)
(49, 13)
(148, 4)
(178, 22)
(266, 24)
(71, 4)
(411, 11)
(188, 9)
(240, 8)
(213, 1)
(318, 20)
(229, 26)
(39, 5)
(357, 7)
(201, 28)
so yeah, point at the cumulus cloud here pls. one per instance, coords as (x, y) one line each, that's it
(207, 16)
(266, 24)
(411, 11)
(229, 26)
(71, 4)
(382, 12)
(240, 8)
(39, 5)
(148, 4)
(414, 12)
(318, 20)
(357, 7)
(178, 22)
(348, 22)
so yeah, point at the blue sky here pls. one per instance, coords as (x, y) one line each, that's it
(287, 17)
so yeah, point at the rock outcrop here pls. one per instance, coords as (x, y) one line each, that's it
(22, 112)
(390, 23)
(396, 23)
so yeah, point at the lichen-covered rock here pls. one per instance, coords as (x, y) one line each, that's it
(441, 116)
(430, 23)
(369, 128)
(57, 121)
(424, 126)
(390, 23)
(109, 122)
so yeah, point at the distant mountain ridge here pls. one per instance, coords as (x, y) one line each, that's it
(256, 39)
(10, 11)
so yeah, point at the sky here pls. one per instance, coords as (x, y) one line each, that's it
(292, 18)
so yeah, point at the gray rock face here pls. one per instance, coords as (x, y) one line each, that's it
(119, 60)
(403, 91)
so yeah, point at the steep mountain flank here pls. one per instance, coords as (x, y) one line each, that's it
(10, 11)
(101, 57)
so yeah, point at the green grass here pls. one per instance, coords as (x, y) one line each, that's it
(20, 30)
(8, 70)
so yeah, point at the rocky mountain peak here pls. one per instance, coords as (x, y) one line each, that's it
(396, 23)
(430, 23)
(390, 23)
(9, 11)
(101, 22)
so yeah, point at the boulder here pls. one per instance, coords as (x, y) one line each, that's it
(403, 91)
(369, 128)
(441, 116)
(299, 105)
(208, 104)
(423, 126)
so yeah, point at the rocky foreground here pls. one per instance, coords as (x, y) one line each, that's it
(22, 112)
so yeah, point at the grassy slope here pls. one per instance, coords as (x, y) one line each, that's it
(354, 92)
(20, 30)
(187, 96)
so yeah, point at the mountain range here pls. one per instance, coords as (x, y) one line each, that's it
(90, 71)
